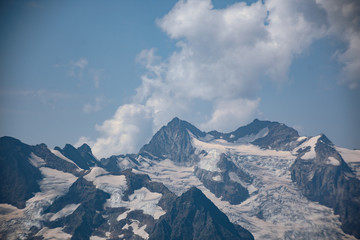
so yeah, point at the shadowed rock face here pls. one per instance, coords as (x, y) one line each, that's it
(173, 141)
(277, 136)
(82, 156)
(334, 186)
(224, 187)
(18, 181)
(193, 216)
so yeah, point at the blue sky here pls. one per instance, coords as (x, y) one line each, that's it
(111, 73)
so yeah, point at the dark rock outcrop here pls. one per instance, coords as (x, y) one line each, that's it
(87, 217)
(221, 184)
(193, 216)
(53, 161)
(333, 185)
(82, 156)
(116, 164)
(19, 178)
(276, 135)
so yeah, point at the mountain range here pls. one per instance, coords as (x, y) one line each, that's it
(261, 181)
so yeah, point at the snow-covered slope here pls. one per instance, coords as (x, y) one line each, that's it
(276, 208)
(263, 176)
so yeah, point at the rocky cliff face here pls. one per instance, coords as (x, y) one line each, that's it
(327, 179)
(81, 156)
(173, 141)
(193, 216)
(19, 178)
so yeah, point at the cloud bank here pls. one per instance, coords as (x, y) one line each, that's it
(222, 58)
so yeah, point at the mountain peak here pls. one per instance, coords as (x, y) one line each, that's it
(173, 141)
(82, 156)
(85, 148)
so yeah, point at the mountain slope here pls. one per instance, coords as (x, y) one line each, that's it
(263, 176)
(325, 177)
(19, 178)
(193, 216)
(173, 141)
(81, 156)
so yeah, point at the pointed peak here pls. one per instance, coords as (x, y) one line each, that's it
(85, 148)
(179, 124)
(69, 146)
(175, 120)
(323, 138)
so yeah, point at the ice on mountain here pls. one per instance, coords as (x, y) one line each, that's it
(333, 161)
(97, 238)
(252, 137)
(352, 158)
(36, 161)
(143, 199)
(210, 160)
(217, 178)
(310, 143)
(60, 155)
(140, 231)
(66, 211)
(115, 185)
(53, 234)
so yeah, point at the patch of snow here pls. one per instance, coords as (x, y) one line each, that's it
(301, 139)
(177, 179)
(235, 178)
(333, 161)
(54, 184)
(217, 178)
(143, 199)
(208, 137)
(210, 160)
(352, 158)
(19, 221)
(123, 215)
(97, 238)
(222, 146)
(349, 156)
(53, 234)
(36, 161)
(252, 137)
(140, 231)
(115, 185)
(94, 173)
(232, 136)
(66, 211)
(311, 142)
(125, 163)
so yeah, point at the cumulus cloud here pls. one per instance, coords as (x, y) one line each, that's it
(222, 58)
(344, 20)
(121, 133)
(227, 114)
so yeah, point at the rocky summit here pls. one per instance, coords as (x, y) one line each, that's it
(260, 181)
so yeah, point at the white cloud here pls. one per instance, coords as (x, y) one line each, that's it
(344, 20)
(222, 58)
(83, 140)
(229, 115)
(124, 132)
